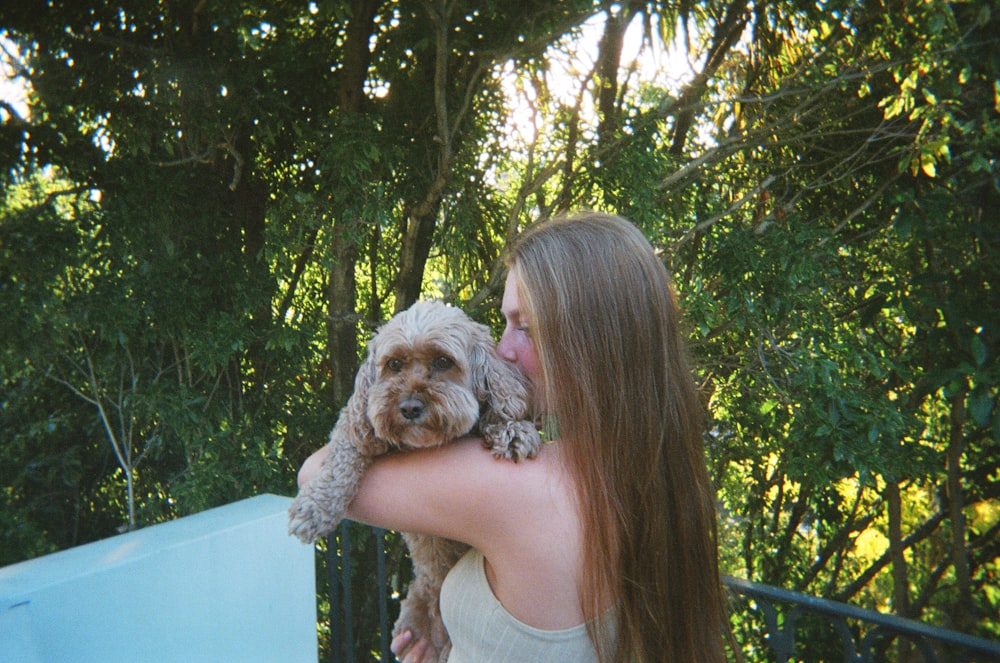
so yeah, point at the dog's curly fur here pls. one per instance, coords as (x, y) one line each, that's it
(431, 375)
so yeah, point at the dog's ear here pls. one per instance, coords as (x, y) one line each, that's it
(497, 383)
(354, 416)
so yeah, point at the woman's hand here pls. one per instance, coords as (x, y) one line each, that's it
(412, 651)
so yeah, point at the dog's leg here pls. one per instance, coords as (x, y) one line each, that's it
(420, 611)
(321, 504)
(504, 424)
(513, 440)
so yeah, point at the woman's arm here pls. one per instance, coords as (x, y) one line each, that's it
(458, 491)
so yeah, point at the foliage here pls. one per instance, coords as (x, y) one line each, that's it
(207, 207)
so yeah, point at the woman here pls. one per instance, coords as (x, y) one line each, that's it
(603, 548)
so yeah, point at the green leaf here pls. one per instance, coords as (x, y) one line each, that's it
(980, 353)
(980, 405)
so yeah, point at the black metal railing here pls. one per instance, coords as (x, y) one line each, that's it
(858, 634)
(767, 617)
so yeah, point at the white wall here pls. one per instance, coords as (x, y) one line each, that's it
(227, 584)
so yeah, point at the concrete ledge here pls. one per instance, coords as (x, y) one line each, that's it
(227, 584)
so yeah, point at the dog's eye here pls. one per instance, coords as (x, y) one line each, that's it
(395, 365)
(442, 363)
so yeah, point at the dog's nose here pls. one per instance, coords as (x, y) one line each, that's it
(411, 408)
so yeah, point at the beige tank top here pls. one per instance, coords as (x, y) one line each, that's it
(482, 631)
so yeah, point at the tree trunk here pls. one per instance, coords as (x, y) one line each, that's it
(964, 611)
(900, 575)
(342, 319)
(417, 240)
(609, 58)
(246, 198)
(727, 34)
(420, 219)
(341, 295)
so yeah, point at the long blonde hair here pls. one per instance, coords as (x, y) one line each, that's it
(604, 319)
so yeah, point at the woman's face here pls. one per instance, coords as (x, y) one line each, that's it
(516, 344)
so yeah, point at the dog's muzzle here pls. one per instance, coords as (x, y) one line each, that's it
(412, 408)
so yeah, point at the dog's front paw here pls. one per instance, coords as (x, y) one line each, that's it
(308, 520)
(513, 440)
